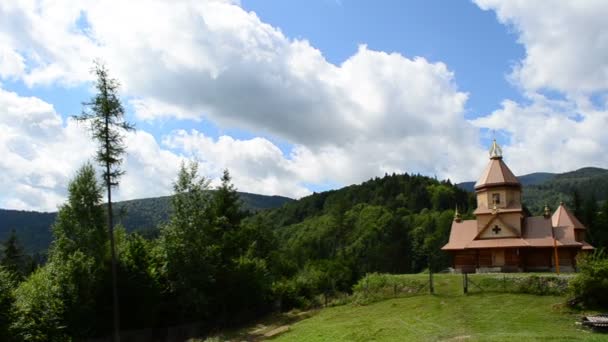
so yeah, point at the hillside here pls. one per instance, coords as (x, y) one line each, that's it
(393, 224)
(33, 228)
(550, 188)
(448, 315)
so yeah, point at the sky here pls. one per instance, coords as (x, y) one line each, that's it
(301, 97)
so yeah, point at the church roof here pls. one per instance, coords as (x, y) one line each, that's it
(537, 233)
(496, 173)
(564, 218)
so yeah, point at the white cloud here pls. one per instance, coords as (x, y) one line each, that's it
(38, 152)
(566, 43)
(41, 153)
(376, 112)
(550, 135)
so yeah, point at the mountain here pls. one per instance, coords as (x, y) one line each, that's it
(144, 215)
(542, 188)
(529, 179)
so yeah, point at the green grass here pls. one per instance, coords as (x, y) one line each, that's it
(447, 315)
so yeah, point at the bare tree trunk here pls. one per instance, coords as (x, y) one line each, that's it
(112, 247)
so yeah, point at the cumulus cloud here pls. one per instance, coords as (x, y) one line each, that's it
(566, 43)
(559, 126)
(375, 112)
(41, 153)
(38, 152)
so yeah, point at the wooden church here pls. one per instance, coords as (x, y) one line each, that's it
(503, 238)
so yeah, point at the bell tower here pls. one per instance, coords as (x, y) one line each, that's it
(499, 210)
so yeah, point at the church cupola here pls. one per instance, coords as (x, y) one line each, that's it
(495, 151)
(496, 173)
(498, 194)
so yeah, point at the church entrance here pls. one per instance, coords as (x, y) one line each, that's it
(498, 257)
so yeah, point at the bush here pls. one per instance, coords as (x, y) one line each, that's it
(542, 285)
(590, 286)
(375, 287)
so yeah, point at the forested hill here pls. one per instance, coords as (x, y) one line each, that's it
(389, 224)
(33, 228)
(589, 184)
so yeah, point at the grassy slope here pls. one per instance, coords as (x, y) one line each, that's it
(448, 315)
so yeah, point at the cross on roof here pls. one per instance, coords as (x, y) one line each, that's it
(496, 229)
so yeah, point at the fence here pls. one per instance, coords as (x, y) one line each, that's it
(375, 287)
(548, 284)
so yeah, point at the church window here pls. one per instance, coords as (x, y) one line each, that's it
(496, 198)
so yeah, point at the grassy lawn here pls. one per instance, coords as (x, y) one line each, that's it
(448, 315)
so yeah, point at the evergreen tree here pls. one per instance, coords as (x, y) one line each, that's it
(14, 258)
(105, 116)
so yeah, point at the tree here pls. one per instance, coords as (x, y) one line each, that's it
(80, 222)
(7, 284)
(105, 116)
(14, 258)
(60, 299)
(190, 243)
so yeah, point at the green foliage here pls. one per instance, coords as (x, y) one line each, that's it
(541, 285)
(7, 286)
(140, 281)
(105, 116)
(33, 229)
(14, 259)
(39, 308)
(589, 286)
(375, 287)
(329, 241)
(80, 224)
(188, 241)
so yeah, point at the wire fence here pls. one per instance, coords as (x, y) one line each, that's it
(538, 284)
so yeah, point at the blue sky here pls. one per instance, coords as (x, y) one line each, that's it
(295, 97)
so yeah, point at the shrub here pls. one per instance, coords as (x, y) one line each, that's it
(590, 286)
(374, 287)
(541, 285)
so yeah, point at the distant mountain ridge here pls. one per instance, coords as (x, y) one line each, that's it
(33, 228)
(529, 179)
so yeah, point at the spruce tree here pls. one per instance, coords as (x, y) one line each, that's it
(105, 116)
(13, 258)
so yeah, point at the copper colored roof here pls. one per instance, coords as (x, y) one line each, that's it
(461, 234)
(537, 232)
(496, 173)
(563, 218)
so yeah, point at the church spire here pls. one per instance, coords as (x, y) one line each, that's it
(457, 216)
(495, 151)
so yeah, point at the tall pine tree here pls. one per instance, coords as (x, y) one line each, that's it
(105, 116)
